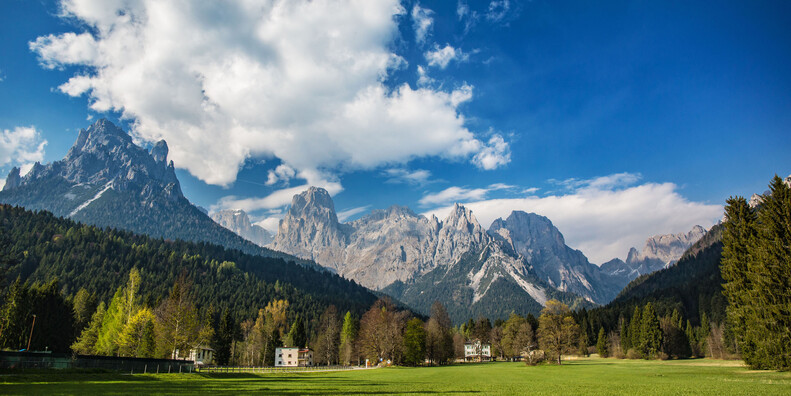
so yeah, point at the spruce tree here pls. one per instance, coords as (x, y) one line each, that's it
(601, 344)
(626, 340)
(650, 332)
(635, 331)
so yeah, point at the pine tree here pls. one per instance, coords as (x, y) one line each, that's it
(223, 339)
(635, 331)
(650, 332)
(771, 278)
(297, 336)
(626, 340)
(601, 344)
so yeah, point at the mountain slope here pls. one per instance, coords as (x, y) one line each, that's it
(107, 180)
(43, 247)
(239, 222)
(543, 246)
(416, 259)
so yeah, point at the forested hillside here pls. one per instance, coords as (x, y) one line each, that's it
(38, 247)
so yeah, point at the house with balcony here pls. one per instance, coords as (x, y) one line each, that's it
(293, 357)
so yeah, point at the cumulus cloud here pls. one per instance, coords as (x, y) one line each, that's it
(421, 22)
(297, 80)
(494, 155)
(460, 194)
(282, 173)
(603, 218)
(401, 175)
(442, 56)
(279, 198)
(21, 146)
(270, 224)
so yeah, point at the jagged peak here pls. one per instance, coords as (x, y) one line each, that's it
(313, 200)
(160, 152)
(13, 179)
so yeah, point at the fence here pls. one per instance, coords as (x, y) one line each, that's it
(271, 369)
(44, 360)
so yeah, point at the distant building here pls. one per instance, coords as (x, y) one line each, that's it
(477, 351)
(202, 355)
(293, 357)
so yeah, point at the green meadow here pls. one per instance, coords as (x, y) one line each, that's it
(589, 376)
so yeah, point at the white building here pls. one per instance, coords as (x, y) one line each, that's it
(202, 355)
(477, 351)
(293, 357)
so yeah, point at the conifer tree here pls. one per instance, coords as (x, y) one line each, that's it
(626, 340)
(414, 342)
(86, 343)
(348, 338)
(635, 331)
(650, 332)
(601, 344)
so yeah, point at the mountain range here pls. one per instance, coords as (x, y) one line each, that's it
(516, 265)
(522, 259)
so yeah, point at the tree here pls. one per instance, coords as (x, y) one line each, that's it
(223, 339)
(86, 343)
(675, 342)
(650, 333)
(626, 340)
(348, 338)
(739, 238)
(16, 316)
(601, 344)
(84, 305)
(178, 326)
(113, 322)
(326, 345)
(414, 342)
(558, 333)
(297, 336)
(381, 331)
(635, 331)
(496, 339)
(137, 338)
(439, 338)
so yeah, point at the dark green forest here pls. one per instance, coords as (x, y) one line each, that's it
(39, 248)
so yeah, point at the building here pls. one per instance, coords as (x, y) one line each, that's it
(477, 351)
(202, 355)
(293, 357)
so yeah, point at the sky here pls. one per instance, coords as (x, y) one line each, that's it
(617, 120)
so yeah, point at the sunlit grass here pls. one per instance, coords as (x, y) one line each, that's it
(590, 376)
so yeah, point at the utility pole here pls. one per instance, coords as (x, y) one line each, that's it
(31, 333)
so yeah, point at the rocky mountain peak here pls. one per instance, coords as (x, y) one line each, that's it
(238, 221)
(314, 202)
(13, 179)
(160, 152)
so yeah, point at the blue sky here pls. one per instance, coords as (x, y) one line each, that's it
(617, 120)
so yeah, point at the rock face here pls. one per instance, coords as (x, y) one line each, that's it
(543, 246)
(239, 222)
(659, 252)
(107, 180)
(415, 259)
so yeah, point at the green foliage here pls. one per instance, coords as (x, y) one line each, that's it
(223, 338)
(558, 333)
(414, 342)
(348, 338)
(297, 336)
(756, 267)
(601, 344)
(41, 247)
(86, 343)
(650, 332)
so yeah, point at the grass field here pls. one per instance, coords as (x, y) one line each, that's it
(590, 376)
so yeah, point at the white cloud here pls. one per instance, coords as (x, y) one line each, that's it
(442, 56)
(400, 175)
(279, 198)
(460, 194)
(602, 217)
(22, 146)
(495, 154)
(423, 78)
(345, 214)
(498, 10)
(282, 173)
(422, 22)
(297, 80)
(270, 224)
(470, 17)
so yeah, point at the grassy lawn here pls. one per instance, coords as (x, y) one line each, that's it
(590, 376)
